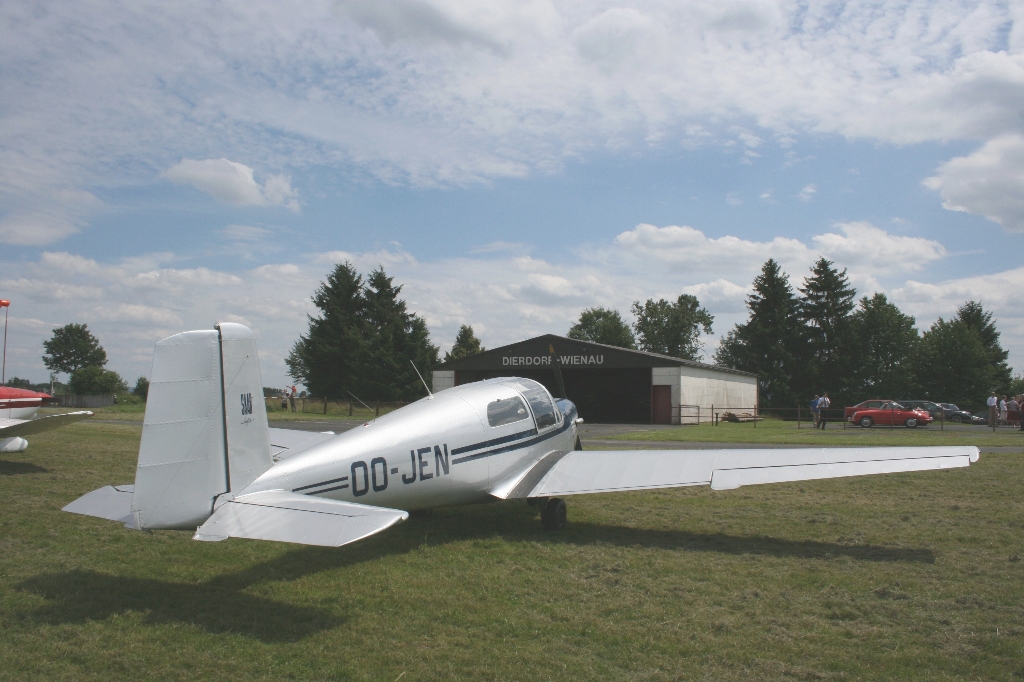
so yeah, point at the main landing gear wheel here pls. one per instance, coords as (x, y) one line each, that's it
(421, 514)
(911, 423)
(552, 515)
(866, 422)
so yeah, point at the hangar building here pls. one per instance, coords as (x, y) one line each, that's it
(611, 384)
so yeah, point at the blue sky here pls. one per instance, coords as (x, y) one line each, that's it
(166, 167)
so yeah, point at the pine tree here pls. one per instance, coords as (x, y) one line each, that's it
(325, 360)
(974, 316)
(602, 325)
(671, 328)
(392, 338)
(767, 343)
(886, 345)
(466, 344)
(828, 300)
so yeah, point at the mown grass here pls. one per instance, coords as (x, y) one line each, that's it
(909, 576)
(778, 431)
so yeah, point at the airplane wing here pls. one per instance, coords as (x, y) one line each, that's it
(597, 471)
(285, 443)
(10, 428)
(303, 519)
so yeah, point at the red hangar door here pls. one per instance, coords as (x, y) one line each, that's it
(661, 404)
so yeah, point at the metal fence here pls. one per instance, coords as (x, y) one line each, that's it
(333, 408)
(82, 401)
(831, 417)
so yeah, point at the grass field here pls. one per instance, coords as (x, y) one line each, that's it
(908, 576)
(778, 431)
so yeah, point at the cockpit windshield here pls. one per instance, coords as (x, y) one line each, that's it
(506, 411)
(540, 402)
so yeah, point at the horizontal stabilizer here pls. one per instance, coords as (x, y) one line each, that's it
(109, 502)
(26, 427)
(290, 517)
(591, 471)
(285, 443)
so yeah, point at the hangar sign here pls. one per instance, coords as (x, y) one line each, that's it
(545, 360)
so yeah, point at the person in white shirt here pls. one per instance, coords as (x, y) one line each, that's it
(1002, 410)
(993, 402)
(823, 403)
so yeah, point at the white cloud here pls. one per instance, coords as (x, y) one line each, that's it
(872, 250)
(505, 296)
(989, 182)
(431, 92)
(807, 193)
(233, 183)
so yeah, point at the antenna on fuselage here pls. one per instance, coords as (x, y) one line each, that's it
(358, 400)
(430, 396)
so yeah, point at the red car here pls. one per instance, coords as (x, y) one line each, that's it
(890, 413)
(873, 404)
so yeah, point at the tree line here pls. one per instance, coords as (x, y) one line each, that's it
(820, 338)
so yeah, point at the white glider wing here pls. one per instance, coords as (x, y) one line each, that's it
(597, 471)
(303, 519)
(10, 428)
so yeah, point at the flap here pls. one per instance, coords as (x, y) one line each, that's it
(290, 517)
(109, 502)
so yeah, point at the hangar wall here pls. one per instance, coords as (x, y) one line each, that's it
(706, 388)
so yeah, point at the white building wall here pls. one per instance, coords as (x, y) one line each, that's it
(705, 388)
(442, 379)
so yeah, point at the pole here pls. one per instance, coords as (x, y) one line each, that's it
(6, 305)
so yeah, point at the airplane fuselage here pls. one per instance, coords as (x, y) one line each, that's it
(450, 449)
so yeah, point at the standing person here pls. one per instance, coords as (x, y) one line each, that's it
(1013, 411)
(992, 403)
(1002, 411)
(291, 398)
(823, 404)
(814, 410)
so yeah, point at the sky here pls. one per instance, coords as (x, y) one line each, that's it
(166, 166)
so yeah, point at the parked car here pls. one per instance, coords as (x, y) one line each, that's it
(980, 417)
(891, 413)
(873, 404)
(952, 413)
(932, 408)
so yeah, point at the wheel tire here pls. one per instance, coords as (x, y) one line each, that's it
(911, 423)
(421, 513)
(866, 422)
(553, 515)
(956, 419)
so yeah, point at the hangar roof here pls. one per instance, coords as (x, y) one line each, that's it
(541, 352)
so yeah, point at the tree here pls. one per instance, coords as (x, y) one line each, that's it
(466, 344)
(768, 343)
(885, 346)
(94, 380)
(974, 316)
(363, 341)
(141, 388)
(953, 366)
(394, 340)
(15, 382)
(72, 347)
(326, 358)
(828, 300)
(671, 328)
(601, 325)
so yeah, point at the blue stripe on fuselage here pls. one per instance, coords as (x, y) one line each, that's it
(566, 424)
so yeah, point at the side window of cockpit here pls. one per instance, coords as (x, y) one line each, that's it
(543, 409)
(506, 411)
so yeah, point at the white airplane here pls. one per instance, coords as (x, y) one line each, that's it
(18, 406)
(209, 463)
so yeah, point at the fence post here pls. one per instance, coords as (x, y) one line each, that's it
(797, 417)
(325, 404)
(376, 411)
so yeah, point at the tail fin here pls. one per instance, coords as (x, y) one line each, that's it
(205, 431)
